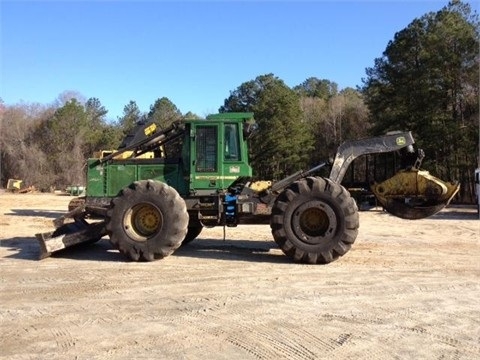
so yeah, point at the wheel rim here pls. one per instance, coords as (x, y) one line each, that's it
(314, 221)
(142, 221)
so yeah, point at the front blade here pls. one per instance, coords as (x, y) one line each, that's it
(69, 235)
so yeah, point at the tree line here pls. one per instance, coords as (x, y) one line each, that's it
(426, 81)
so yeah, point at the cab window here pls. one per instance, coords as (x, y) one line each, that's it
(232, 146)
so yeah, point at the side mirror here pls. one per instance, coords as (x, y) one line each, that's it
(249, 130)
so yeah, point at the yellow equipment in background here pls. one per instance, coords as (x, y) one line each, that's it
(14, 185)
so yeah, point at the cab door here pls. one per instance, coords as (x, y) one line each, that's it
(205, 157)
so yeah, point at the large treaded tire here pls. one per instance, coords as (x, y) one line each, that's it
(147, 221)
(192, 233)
(314, 221)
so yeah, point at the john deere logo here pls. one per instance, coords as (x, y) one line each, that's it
(400, 141)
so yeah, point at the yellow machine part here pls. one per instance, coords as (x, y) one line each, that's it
(414, 194)
(260, 185)
(151, 129)
(124, 155)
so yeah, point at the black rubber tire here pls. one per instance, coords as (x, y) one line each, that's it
(192, 234)
(314, 221)
(156, 234)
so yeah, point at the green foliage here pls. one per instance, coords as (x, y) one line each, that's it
(131, 115)
(62, 137)
(283, 143)
(333, 119)
(313, 87)
(48, 147)
(163, 113)
(191, 115)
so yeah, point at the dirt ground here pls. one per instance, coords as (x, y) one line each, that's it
(406, 290)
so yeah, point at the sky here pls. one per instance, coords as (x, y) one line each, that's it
(192, 52)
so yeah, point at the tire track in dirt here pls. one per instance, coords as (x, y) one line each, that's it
(64, 291)
(63, 338)
(358, 322)
(254, 339)
(262, 337)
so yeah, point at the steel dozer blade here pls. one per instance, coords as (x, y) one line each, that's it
(69, 235)
(414, 194)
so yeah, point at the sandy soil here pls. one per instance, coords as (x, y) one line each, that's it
(407, 290)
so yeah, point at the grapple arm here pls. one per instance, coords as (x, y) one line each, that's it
(411, 193)
(350, 150)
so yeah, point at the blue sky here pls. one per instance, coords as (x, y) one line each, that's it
(193, 52)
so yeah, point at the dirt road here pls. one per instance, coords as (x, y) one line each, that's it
(407, 290)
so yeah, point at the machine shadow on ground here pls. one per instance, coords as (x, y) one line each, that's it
(216, 249)
(29, 249)
(457, 212)
(233, 250)
(49, 214)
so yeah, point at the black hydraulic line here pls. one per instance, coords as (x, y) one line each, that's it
(279, 185)
(150, 142)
